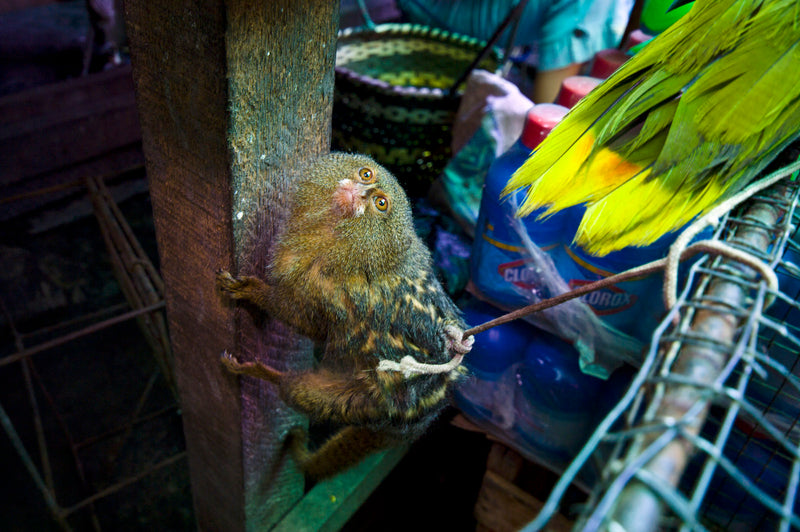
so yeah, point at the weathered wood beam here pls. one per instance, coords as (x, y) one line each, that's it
(229, 92)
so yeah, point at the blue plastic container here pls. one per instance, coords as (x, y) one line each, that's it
(526, 388)
(487, 395)
(633, 307)
(499, 266)
(556, 402)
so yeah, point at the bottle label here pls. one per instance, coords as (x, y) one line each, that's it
(633, 307)
(518, 273)
(610, 300)
(504, 273)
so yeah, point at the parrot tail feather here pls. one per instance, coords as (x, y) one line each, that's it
(640, 212)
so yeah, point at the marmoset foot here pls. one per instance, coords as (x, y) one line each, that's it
(252, 369)
(232, 286)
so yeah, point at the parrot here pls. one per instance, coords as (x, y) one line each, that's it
(684, 124)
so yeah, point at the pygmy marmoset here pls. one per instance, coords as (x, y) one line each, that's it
(348, 270)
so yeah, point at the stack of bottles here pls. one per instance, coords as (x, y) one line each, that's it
(501, 269)
(499, 265)
(527, 386)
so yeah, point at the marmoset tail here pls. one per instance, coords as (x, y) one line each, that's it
(687, 122)
(349, 271)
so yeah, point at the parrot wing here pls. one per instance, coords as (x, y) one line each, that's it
(684, 124)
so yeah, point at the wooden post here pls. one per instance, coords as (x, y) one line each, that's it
(228, 92)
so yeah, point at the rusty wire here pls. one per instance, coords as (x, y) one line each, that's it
(143, 289)
(135, 273)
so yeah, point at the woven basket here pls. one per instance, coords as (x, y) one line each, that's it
(393, 97)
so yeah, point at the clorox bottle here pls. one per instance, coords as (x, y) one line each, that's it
(634, 307)
(500, 269)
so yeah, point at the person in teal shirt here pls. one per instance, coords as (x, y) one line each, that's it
(561, 34)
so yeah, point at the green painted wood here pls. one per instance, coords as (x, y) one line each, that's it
(330, 503)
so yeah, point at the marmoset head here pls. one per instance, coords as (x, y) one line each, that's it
(352, 213)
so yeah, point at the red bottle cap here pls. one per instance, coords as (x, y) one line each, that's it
(574, 88)
(606, 62)
(636, 37)
(540, 121)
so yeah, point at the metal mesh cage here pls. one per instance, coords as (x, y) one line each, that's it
(706, 438)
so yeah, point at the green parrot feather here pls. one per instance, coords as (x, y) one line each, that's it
(684, 124)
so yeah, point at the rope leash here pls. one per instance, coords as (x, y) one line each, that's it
(409, 366)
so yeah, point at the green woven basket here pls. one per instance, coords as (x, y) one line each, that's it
(395, 97)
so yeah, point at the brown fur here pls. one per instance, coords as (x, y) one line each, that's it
(363, 286)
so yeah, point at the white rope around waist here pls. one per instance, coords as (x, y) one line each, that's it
(408, 365)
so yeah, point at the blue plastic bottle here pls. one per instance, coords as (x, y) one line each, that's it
(499, 269)
(555, 399)
(557, 406)
(487, 395)
(634, 307)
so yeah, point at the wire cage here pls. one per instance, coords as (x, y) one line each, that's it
(102, 450)
(706, 437)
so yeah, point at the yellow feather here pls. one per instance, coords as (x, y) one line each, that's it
(688, 121)
(606, 225)
(577, 177)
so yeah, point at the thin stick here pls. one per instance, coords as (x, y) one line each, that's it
(639, 271)
(713, 248)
